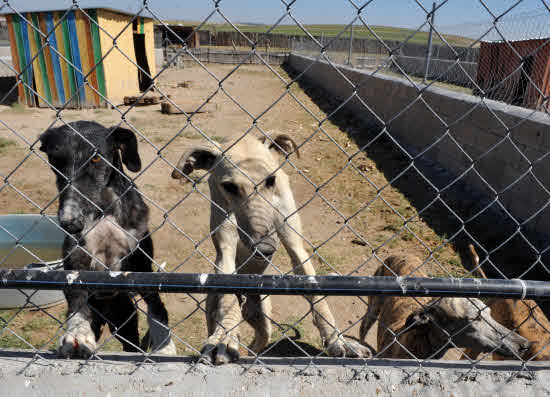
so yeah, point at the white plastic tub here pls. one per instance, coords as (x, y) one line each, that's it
(40, 235)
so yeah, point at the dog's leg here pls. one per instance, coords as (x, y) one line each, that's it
(79, 341)
(290, 234)
(123, 322)
(375, 304)
(257, 312)
(223, 313)
(157, 318)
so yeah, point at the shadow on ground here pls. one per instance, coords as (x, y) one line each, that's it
(510, 255)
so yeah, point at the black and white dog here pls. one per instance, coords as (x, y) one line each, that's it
(106, 223)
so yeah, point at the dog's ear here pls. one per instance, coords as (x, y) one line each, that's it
(195, 158)
(283, 144)
(44, 139)
(125, 140)
(417, 319)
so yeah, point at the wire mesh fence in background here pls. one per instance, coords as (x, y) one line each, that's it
(380, 231)
(488, 53)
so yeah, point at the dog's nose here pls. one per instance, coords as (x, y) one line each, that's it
(70, 218)
(265, 249)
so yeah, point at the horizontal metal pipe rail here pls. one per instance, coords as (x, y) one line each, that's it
(272, 284)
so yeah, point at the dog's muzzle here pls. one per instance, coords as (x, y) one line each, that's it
(70, 217)
(265, 247)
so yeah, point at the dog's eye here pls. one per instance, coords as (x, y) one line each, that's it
(270, 181)
(96, 159)
(230, 188)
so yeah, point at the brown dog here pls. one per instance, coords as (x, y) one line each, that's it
(524, 317)
(423, 327)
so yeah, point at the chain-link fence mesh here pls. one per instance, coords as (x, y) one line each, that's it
(106, 121)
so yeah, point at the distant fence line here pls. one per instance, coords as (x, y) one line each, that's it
(207, 55)
(359, 45)
(439, 69)
(366, 53)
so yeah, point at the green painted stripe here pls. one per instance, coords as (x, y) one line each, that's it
(41, 60)
(141, 28)
(68, 55)
(97, 54)
(22, 57)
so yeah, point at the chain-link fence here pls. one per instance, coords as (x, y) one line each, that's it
(401, 204)
(487, 52)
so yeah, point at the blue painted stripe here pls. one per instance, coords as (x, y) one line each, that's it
(28, 63)
(55, 58)
(75, 52)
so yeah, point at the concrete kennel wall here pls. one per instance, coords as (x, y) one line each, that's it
(120, 374)
(476, 126)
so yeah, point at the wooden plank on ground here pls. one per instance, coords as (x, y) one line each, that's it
(186, 107)
(146, 100)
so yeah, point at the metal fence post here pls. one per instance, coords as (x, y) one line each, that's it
(350, 46)
(431, 16)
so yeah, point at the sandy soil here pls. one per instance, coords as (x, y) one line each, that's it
(343, 192)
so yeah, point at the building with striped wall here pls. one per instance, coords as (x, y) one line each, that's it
(67, 58)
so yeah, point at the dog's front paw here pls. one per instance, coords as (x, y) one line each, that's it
(345, 347)
(76, 345)
(168, 349)
(222, 353)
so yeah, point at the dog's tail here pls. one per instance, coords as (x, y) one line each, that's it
(474, 262)
(297, 333)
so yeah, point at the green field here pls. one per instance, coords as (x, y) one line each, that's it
(384, 32)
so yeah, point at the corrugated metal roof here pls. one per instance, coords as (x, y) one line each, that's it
(531, 25)
(500, 40)
(112, 9)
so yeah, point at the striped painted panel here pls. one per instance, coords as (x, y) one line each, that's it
(28, 65)
(56, 52)
(80, 24)
(47, 52)
(16, 61)
(93, 68)
(39, 67)
(75, 52)
(54, 59)
(72, 88)
(37, 45)
(97, 53)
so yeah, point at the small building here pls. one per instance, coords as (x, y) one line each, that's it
(500, 77)
(78, 51)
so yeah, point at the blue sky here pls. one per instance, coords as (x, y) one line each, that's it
(405, 13)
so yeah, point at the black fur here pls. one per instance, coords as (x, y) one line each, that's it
(70, 156)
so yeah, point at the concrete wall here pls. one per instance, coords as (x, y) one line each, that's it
(120, 374)
(477, 128)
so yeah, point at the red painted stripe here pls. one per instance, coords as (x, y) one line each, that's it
(15, 57)
(90, 45)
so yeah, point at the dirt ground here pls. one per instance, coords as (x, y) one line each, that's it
(245, 94)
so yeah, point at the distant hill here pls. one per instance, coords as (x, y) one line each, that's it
(384, 32)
